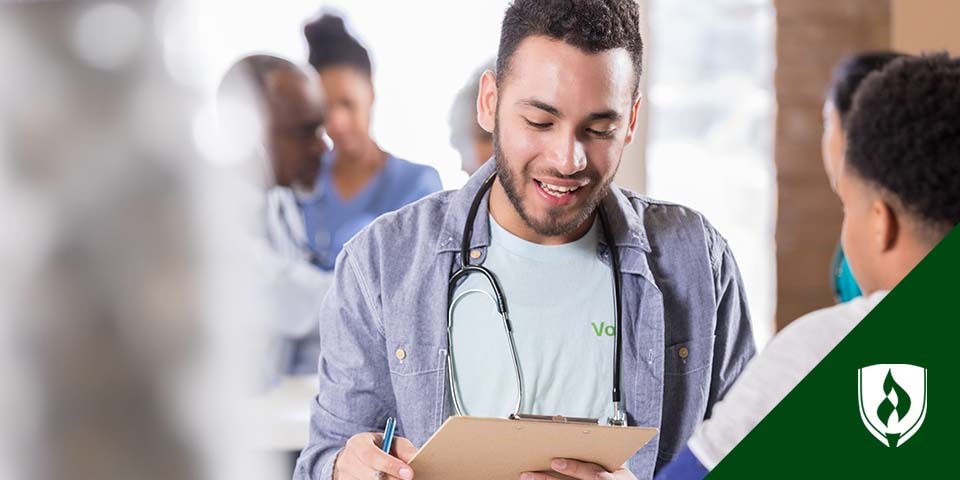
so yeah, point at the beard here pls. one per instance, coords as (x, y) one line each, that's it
(558, 220)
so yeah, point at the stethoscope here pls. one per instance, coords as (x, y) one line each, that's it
(497, 297)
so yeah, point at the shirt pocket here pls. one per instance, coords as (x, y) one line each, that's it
(409, 359)
(687, 357)
(418, 373)
(686, 387)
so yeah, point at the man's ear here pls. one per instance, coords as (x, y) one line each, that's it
(487, 102)
(887, 225)
(634, 115)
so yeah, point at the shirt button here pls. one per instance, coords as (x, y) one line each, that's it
(401, 354)
(475, 254)
(684, 352)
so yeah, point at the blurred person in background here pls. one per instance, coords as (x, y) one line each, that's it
(474, 144)
(130, 326)
(847, 77)
(281, 105)
(898, 180)
(358, 181)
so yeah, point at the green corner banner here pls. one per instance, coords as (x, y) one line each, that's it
(885, 403)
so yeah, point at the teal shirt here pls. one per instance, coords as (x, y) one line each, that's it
(845, 287)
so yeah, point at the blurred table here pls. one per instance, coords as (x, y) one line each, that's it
(281, 416)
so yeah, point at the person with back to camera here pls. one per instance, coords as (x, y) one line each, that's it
(899, 183)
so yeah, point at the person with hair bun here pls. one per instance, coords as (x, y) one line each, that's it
(847, 77)
(359, 181)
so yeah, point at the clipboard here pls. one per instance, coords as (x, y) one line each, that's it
(476, 448)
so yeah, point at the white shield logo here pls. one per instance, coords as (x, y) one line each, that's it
(893, 401)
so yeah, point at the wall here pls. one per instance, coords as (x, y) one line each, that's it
(812, 35)
(926, 25)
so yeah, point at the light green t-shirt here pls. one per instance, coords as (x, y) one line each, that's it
(561, 304)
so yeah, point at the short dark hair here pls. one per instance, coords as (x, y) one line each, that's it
(904, 136)
(332, 46)
(252, 71)
(590, 25)
(848, 75)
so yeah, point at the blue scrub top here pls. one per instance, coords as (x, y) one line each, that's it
(331, 221)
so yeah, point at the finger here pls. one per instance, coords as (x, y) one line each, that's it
(579, 470)
(404, 449)
(347, 466)
(375, 459)
(537, 476)
(351, 462)
(355, 469)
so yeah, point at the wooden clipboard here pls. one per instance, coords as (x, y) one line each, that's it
(475, 448)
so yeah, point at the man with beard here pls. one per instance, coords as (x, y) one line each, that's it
(542, 231)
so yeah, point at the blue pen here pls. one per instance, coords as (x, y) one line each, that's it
(388, 435)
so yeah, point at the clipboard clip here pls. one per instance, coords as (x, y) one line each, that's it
(554, 419)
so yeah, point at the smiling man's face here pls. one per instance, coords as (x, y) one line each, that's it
(562, 119)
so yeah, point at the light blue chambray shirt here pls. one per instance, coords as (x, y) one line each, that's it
(383, 323)
(329, 221)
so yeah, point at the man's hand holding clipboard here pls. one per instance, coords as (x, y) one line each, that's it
(580, 471)
(475, 448)
(493, 448)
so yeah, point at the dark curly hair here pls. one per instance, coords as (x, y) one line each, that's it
(904, 136)
(590, 25)
(848, 75)
(332, 46)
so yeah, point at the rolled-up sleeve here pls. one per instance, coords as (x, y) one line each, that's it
(355, 393)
